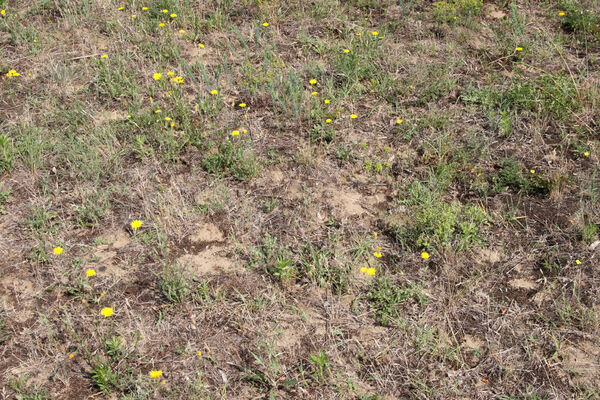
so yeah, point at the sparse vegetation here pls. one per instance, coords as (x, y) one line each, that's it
(357, 199)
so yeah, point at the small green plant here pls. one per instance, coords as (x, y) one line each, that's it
(4, 333)
(6, 153)
(28, 392)
(112, 346)
(174, 284)
(579, 18)
(103, 375)
(386, 298)
(230, 158)
(321, 366)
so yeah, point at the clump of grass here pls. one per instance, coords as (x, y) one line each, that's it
(580, 18)
(174, 284)
(433, 222)
(229, 158)
(456, 11)
(386, 297)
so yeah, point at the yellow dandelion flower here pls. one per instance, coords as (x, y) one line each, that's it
(71, 355)
(578, 262)
(313, 81)
(265, 24)
(57, 250)
(173, 15)
(328, 120)
(375, 234)
(171, 73)
(346, 50)
(371, 271)
(157, 111)
(364, 269)
(586, 154)
(172, 124)
(246, 116)
(128, 116)
(532, 171)
(167, 118)
(519, 49)
(315, 93)
(214, 91)
(136, 224)
(425, 255)
(90, 272)
(242, 105)
(157, 76)
(399, 121)
(104, 56)
(244, 131)
(12, 72)
(201, 45)
(133, 16)
(353, 116)
(155, 373)
(358, 34)
(199, 353)
(374, 33)
(162, 25)
(561, 14)
(326, 101)
(144, 8)
(121, 8)
(235, 133)
(196, 107)
(181, 31)
(377, 254)
(165, 11)
(107, 312)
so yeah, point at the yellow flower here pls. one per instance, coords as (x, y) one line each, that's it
(315, 93)
(519, 49)
(104, 56)
(157, 76)
(2, 12)
(133, 16)
(358, 34)
(326, 101)
(90, 272)
(165, 11)
(181, 31)
(173, 15)
(157, 111)
(196, 107)
(128, 116)
(370, 271)
(242, 105)
(346, 50)
(172, 124)
(171, 73)
(155, 373)
(425, 255)
(328, 120)
(199, 353)
(399, 121)
(200, 45)
(71, 355)
(578, 262)
(561, 14)
(586, 154)
(107, 312)
(313, 81)
(244, 131)
(57, 250)
(167, 118)
(265, 24)
(375, 234)
(235, 133)
(377, 254)
(353, 116)
(161, 24)
(364, 269)
(177, 79)
(12, 72)
(136, 224)
(532, 171)
(214, 91)
(121, 8)
(374, 33)
(144, 8)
